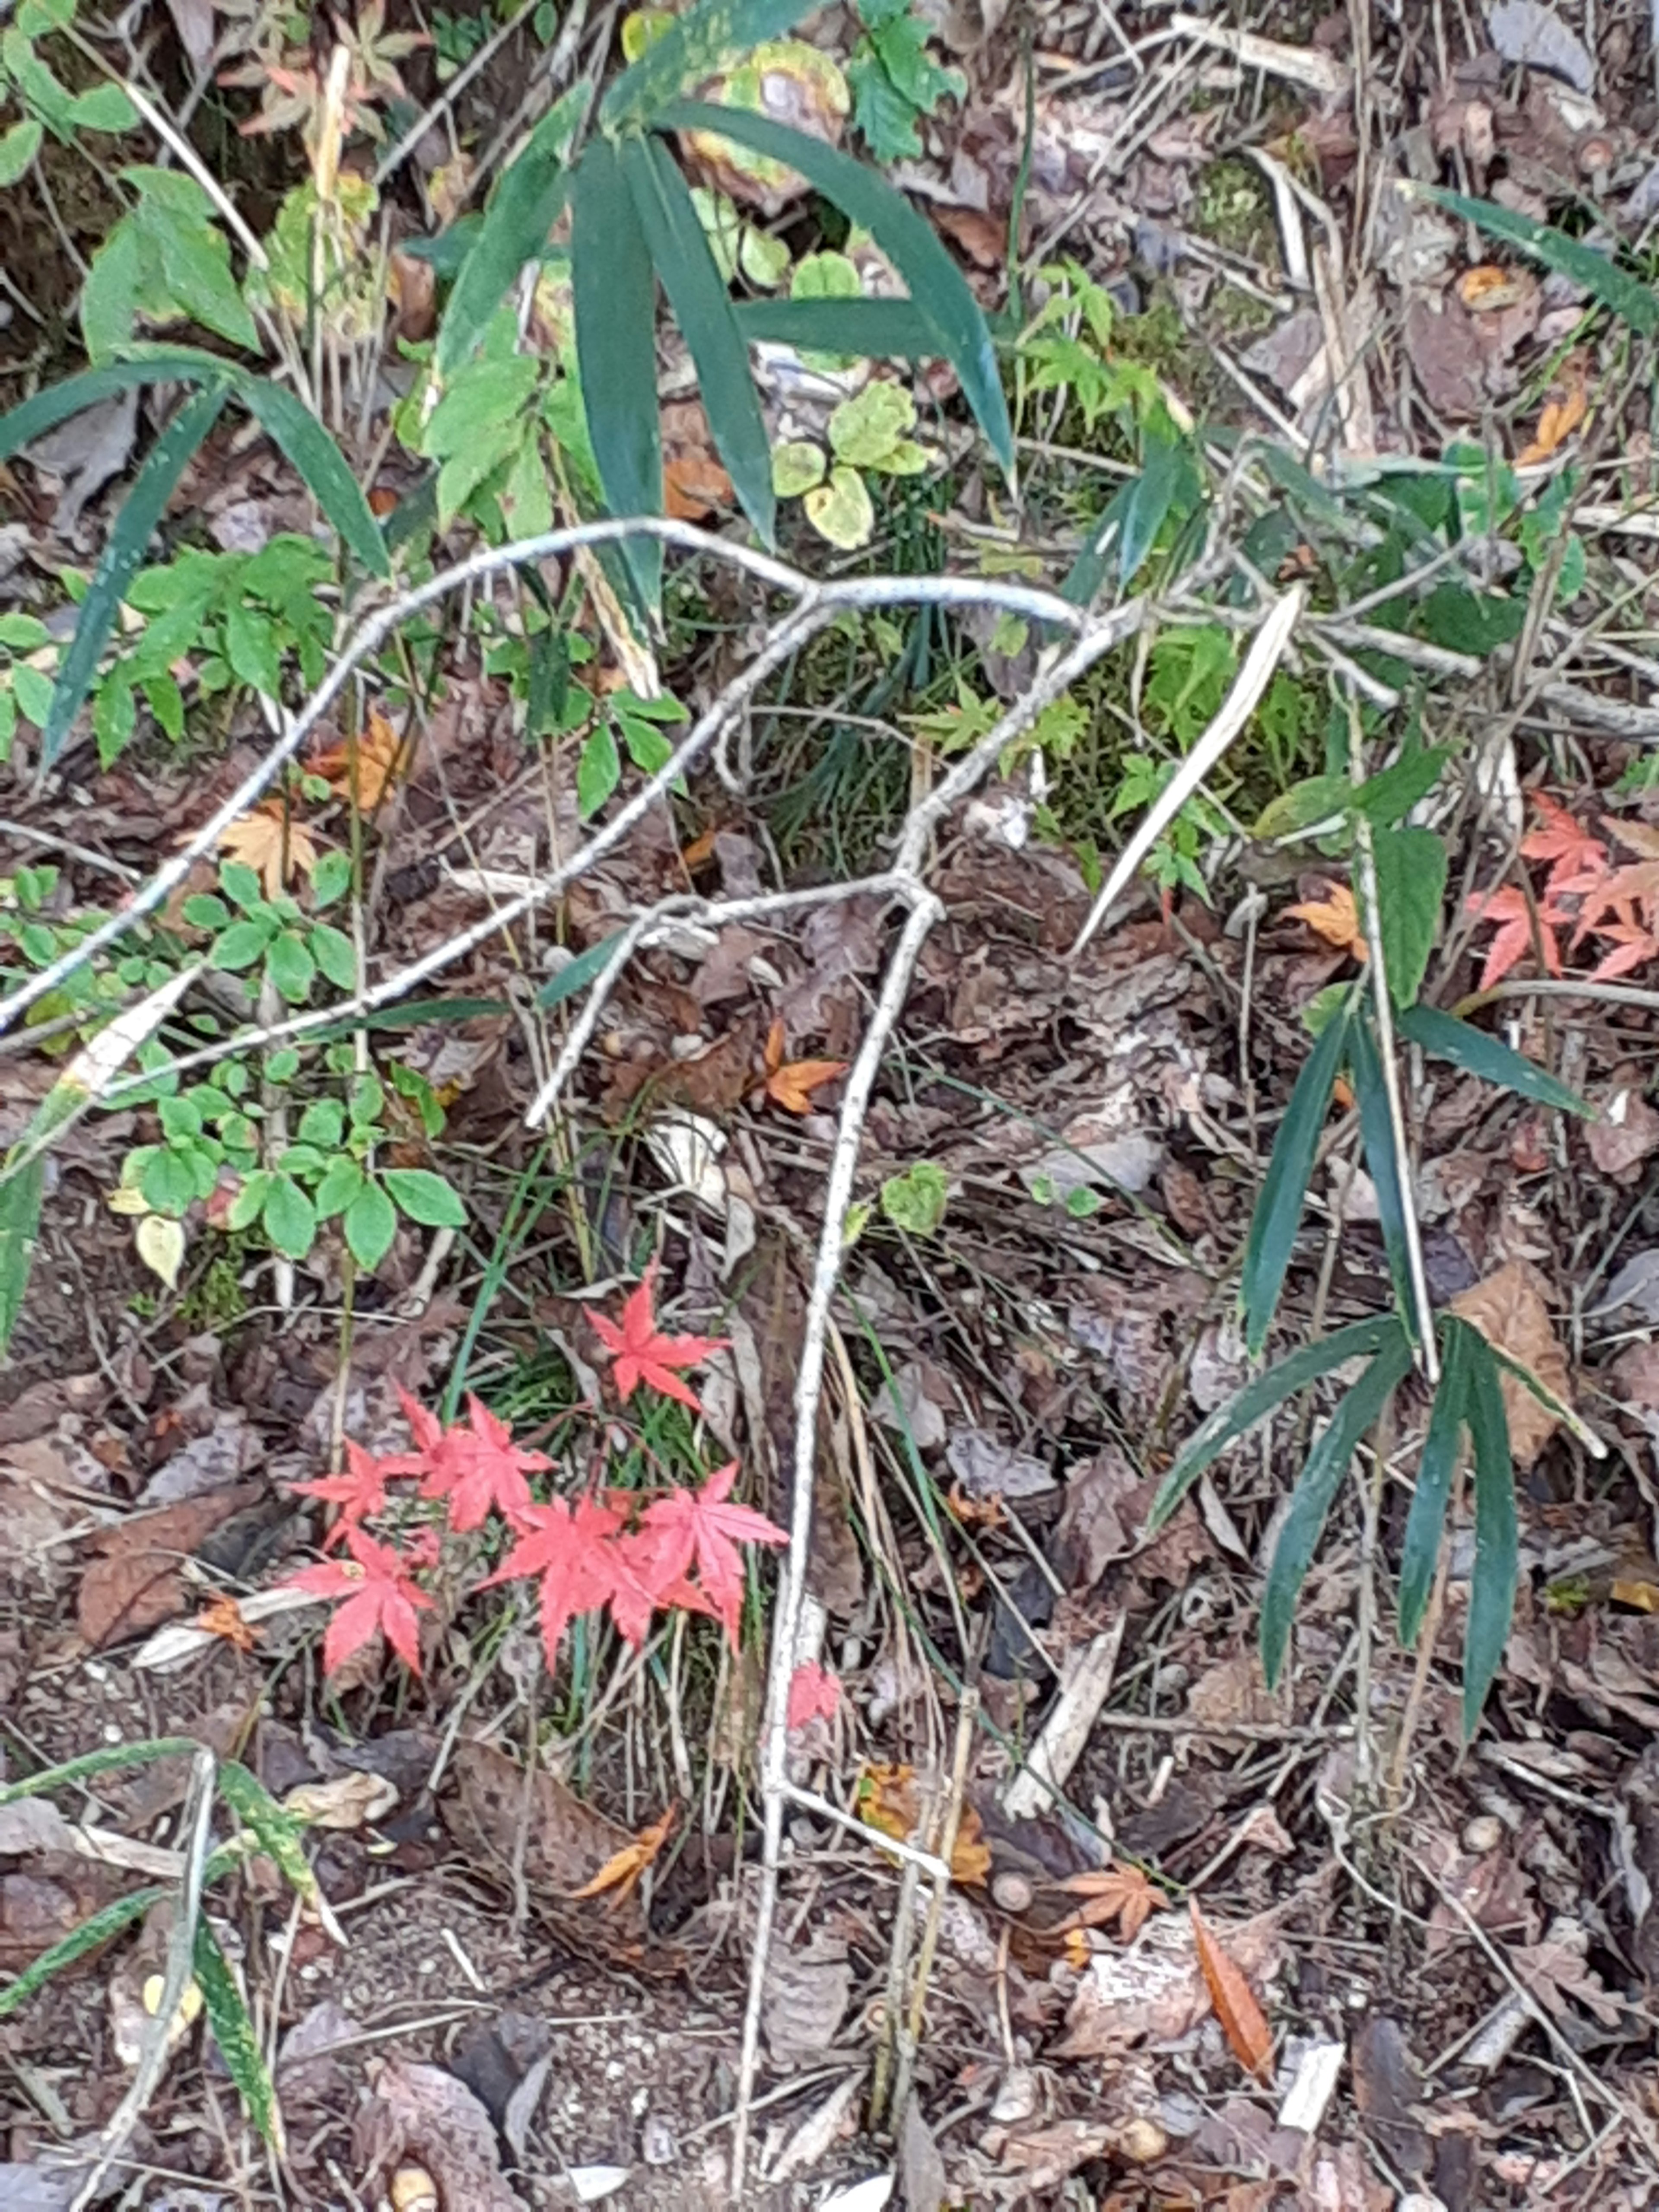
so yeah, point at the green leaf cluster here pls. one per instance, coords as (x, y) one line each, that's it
(894, 81)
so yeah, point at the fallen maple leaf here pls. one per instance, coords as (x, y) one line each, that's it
(1620, 892)
(378, 1594)
(378, 750)
(1513, 915)
(275, 848)
(1113, 1892)
(692, 483)
(571, 1547)
(1564, 841)
(477, 1467)
(1633, 947)
(700, 1526)
(360, 1492)
(1243, 2021)
(643, 1356)
(621, 1870)
(791, 1084)
(1336, 919)
(887, 1798)
(223, 1617)
(814, 1695)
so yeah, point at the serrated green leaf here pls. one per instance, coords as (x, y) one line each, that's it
(874, 329)
(1284, 1187)
(1491, 1584)
(1311, 1501)
(1625, 295)
(124, 554)
(1258, 1398)
(18, 148)
(322, 1123)
(233, 2031)
(1317, 798)
(288, 1217)
(937, 285)
(425, 1197)
(1376, 1134)
(371, 1222)
(1445, 1037)
(339, 1186)
(1420, 1552)
(702, 308)
(1411, 884)
(91, 1935)
(1386, 798)
(103, 108)
(616, 308)
(291, 967)
(515, 230)
(237, 947)
(692, 48)
(21, 1198)
(335, 954)
(291, 424)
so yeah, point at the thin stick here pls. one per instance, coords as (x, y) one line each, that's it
(966, 1715)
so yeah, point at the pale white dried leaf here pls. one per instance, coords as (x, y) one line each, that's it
(1524, 31)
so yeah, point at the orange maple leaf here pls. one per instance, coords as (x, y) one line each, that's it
(1508, 909)
(621, 1872)
(790, 1084)
(1617, 891)
(1243, 2021)
(378, 750)
(222, 1617)
(1336, 919)
(1564, 410)
(1563, 841)
(275, 849)
(1113, 1892)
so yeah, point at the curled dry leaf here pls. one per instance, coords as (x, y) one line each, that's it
(1243, 2021)
(1334, 918)
(223, 1618)
(1510, 1311)
(621, 1872)
(376, 749)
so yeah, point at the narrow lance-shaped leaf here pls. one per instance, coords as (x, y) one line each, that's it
(1637, 302)
(702, 307)
(937, 285)
(123, 557)
(1285, 1186)
(90, 1935)
(515, 230)
(1421, 1551)
(693, 47)
(615, 306)
(20, 1197)
(319, 461)
(1151, 498)
(1258, 1399)
(1445, 1037)
(157, 365)
(1492, 1585)
(1316, 1487)
(1376, 1134)
(1411, 882)
(233, 2031)
(877, 329)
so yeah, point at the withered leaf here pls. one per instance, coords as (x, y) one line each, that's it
(1243, 2021)
(1510, 1311)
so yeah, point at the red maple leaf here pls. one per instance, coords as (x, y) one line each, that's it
(1565, 842)
(573, 1550)
(643, 1356)
(699, 1525)
(1509, 909)
(1633, 946)
(478, 1468)
(814, 1694)
(359, 1492)
(428, 1431)
(378, 1592)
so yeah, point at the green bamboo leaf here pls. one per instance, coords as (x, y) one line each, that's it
(1492, 1585)
(1637, 302)
(123, 555)
(937, 285)
(292, 425)
(702, 307)
(1411, 882)
(577, 974)
(74, 1772)
(160, 365)
(1445, 1037)
(515, 230)
(1284, 1187)
(615, 306)
(1316, 1487)
(233, 2031)
(20, 1197)
(1376, 1134)
(1151, 497)
(1258, 1399)
(880, 330)
(1421, 1551)
(90, 1936)
(692, 48)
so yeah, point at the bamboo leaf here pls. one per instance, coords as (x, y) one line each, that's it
(1411, 882)
(693, 47)
(1445, 1037)
(578, 973)
(702, 307)
(1421, 1551)
(1284, 1187)
(877, 329)
(233, 2031)
(1316, 1487)
(168, 365)
(281, 1837)
(305, 443)
(615, 306)
(90, 1935)
(1492, 1585)
(123, 555)
(20, 1197)
(1151, 497)
(1382, 1165)
(515, 230)
(1258, 1399)
(937, 286)
(1637, 302)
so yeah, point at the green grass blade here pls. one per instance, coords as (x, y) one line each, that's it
(1421, 1551)
(281, 1837)
(90, 1935)
(21, 1198)
(1316, 1486)
(1637, 302)
(74, 1772)
(616, 305)
(1445, 1037)
(692, 48)
(1284, 1187)
(1492, 1585)
(1376, 1135)
(124, 555)
(937, 286)
(515, 230)
(880, 330)
(1147, 507)
(702, 307)
(1258, 1399)
(576, 975)
(233, 2031)
(291, 424)
(163, 365)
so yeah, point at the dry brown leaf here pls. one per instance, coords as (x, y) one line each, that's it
(791, 1084)
(808, 1990)
(1156, 1990)
(1336, 919)
(1115, 1893)
(424, 2115)
(135, 1580)
(888, 1799)
(1510, 1311)
(378, 750)
(223, 1617)
(277, 849)
(1243, 2021)
(1623, 1135)
(1564, 409)
(692, 484)
(566, 1842)
(621, 1870)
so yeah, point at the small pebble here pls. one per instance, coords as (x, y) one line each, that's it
(657, 2144)
(1484, 1834)
(1011, 1893)
(1142, 2141)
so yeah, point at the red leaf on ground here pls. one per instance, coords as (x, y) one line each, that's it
(1564, 841)
(478, 1468)
(643, 1356)
(378, 1593)
(573, 1549)
(814, 1695)
(700, 1525)
(359, 1492)
(1507, 907)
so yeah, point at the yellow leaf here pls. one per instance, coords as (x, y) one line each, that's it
(378, 751)
(888, 1799)
(275, 849)
(161, 1247)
